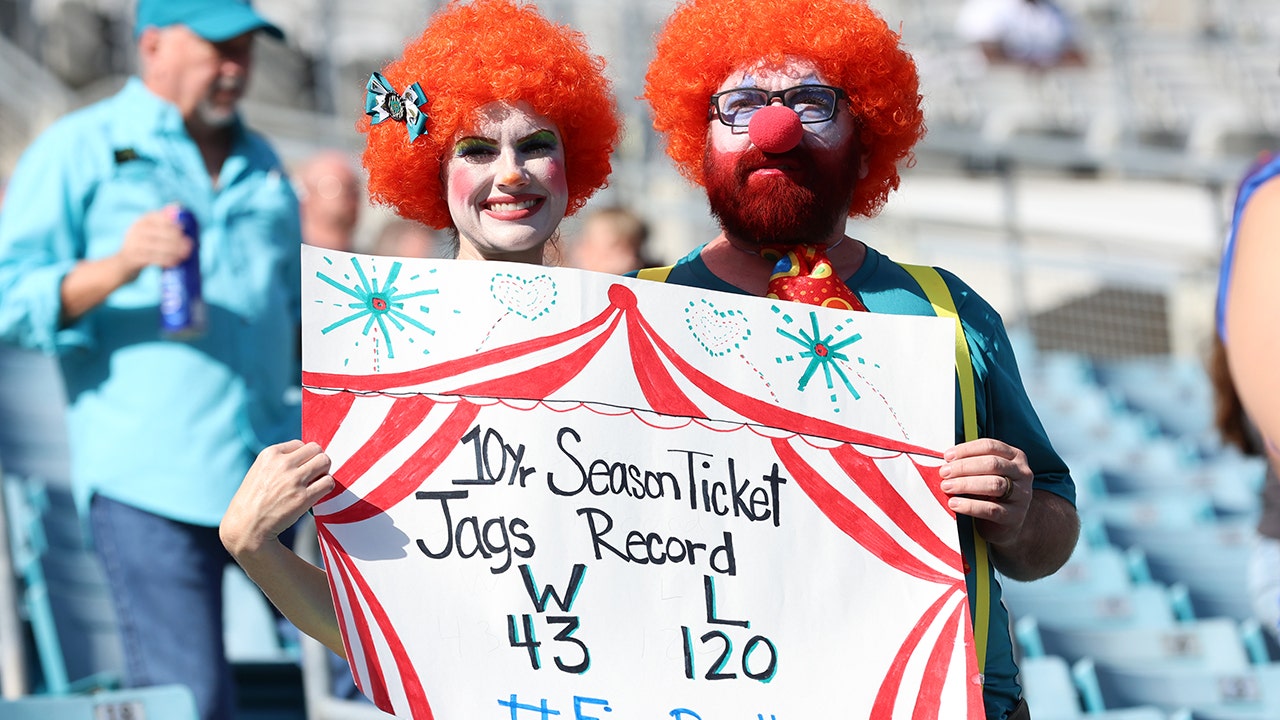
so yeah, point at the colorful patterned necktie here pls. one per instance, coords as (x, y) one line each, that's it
(804, 273)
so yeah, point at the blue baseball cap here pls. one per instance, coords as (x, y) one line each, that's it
(213, 20)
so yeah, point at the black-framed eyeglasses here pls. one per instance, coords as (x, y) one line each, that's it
(813, 103)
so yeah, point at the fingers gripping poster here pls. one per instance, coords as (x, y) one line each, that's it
(567, 495)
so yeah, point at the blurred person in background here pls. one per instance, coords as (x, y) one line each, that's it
(409, 238)
(1245, 362)
(1033, 33)
(330, 197)
(612, 240)
(1235, 429)
(161, 428)
(499, 155)
(791, 134)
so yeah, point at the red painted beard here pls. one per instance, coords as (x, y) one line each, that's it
(804, 203)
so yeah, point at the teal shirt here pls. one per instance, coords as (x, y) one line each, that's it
(1003, 409)
(164, 425)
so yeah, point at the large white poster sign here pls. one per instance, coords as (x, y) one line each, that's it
(564, 495)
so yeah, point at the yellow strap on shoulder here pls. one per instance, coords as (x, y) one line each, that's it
(658, 274)
(935, 289)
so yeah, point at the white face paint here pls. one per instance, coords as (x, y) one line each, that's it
(830, 134)
(505, 184)
(800, 195)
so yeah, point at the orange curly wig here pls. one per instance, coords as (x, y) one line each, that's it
(704, 41)
(474, 54)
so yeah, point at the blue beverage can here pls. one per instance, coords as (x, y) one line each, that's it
(182, 309)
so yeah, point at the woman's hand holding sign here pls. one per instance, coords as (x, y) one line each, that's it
(283, 483)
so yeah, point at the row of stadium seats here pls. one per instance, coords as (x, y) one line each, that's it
(1151, 616)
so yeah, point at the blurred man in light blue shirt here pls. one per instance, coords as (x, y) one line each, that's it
(161, 429)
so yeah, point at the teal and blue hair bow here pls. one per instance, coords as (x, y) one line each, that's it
(383, 103)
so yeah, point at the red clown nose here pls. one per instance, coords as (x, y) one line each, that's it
(775, 129)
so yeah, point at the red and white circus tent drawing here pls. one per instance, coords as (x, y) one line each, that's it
(852, 477)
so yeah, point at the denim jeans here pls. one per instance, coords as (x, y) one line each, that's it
(166, 583)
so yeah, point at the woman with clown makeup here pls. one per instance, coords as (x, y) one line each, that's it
(495, 124)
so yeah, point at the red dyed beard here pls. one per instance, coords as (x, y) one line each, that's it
(805, 205)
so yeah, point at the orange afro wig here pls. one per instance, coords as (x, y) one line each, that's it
(704, 41)
(469, 56)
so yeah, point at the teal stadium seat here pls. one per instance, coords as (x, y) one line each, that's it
(1159, 464)
(1210, 559)
(1051, 694)
(161, 702)
(1100, 587)
(1177, 393)
(1252, 693)
(1094, 570)
(1211, 645)
(1151, 605)
(1048, 689)
(1157, 509)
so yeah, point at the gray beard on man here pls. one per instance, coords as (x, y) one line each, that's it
(216, 117)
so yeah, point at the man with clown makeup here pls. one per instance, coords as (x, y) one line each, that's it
(794, 116)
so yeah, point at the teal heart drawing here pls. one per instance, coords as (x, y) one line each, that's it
(717, 331)
(530, 298)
